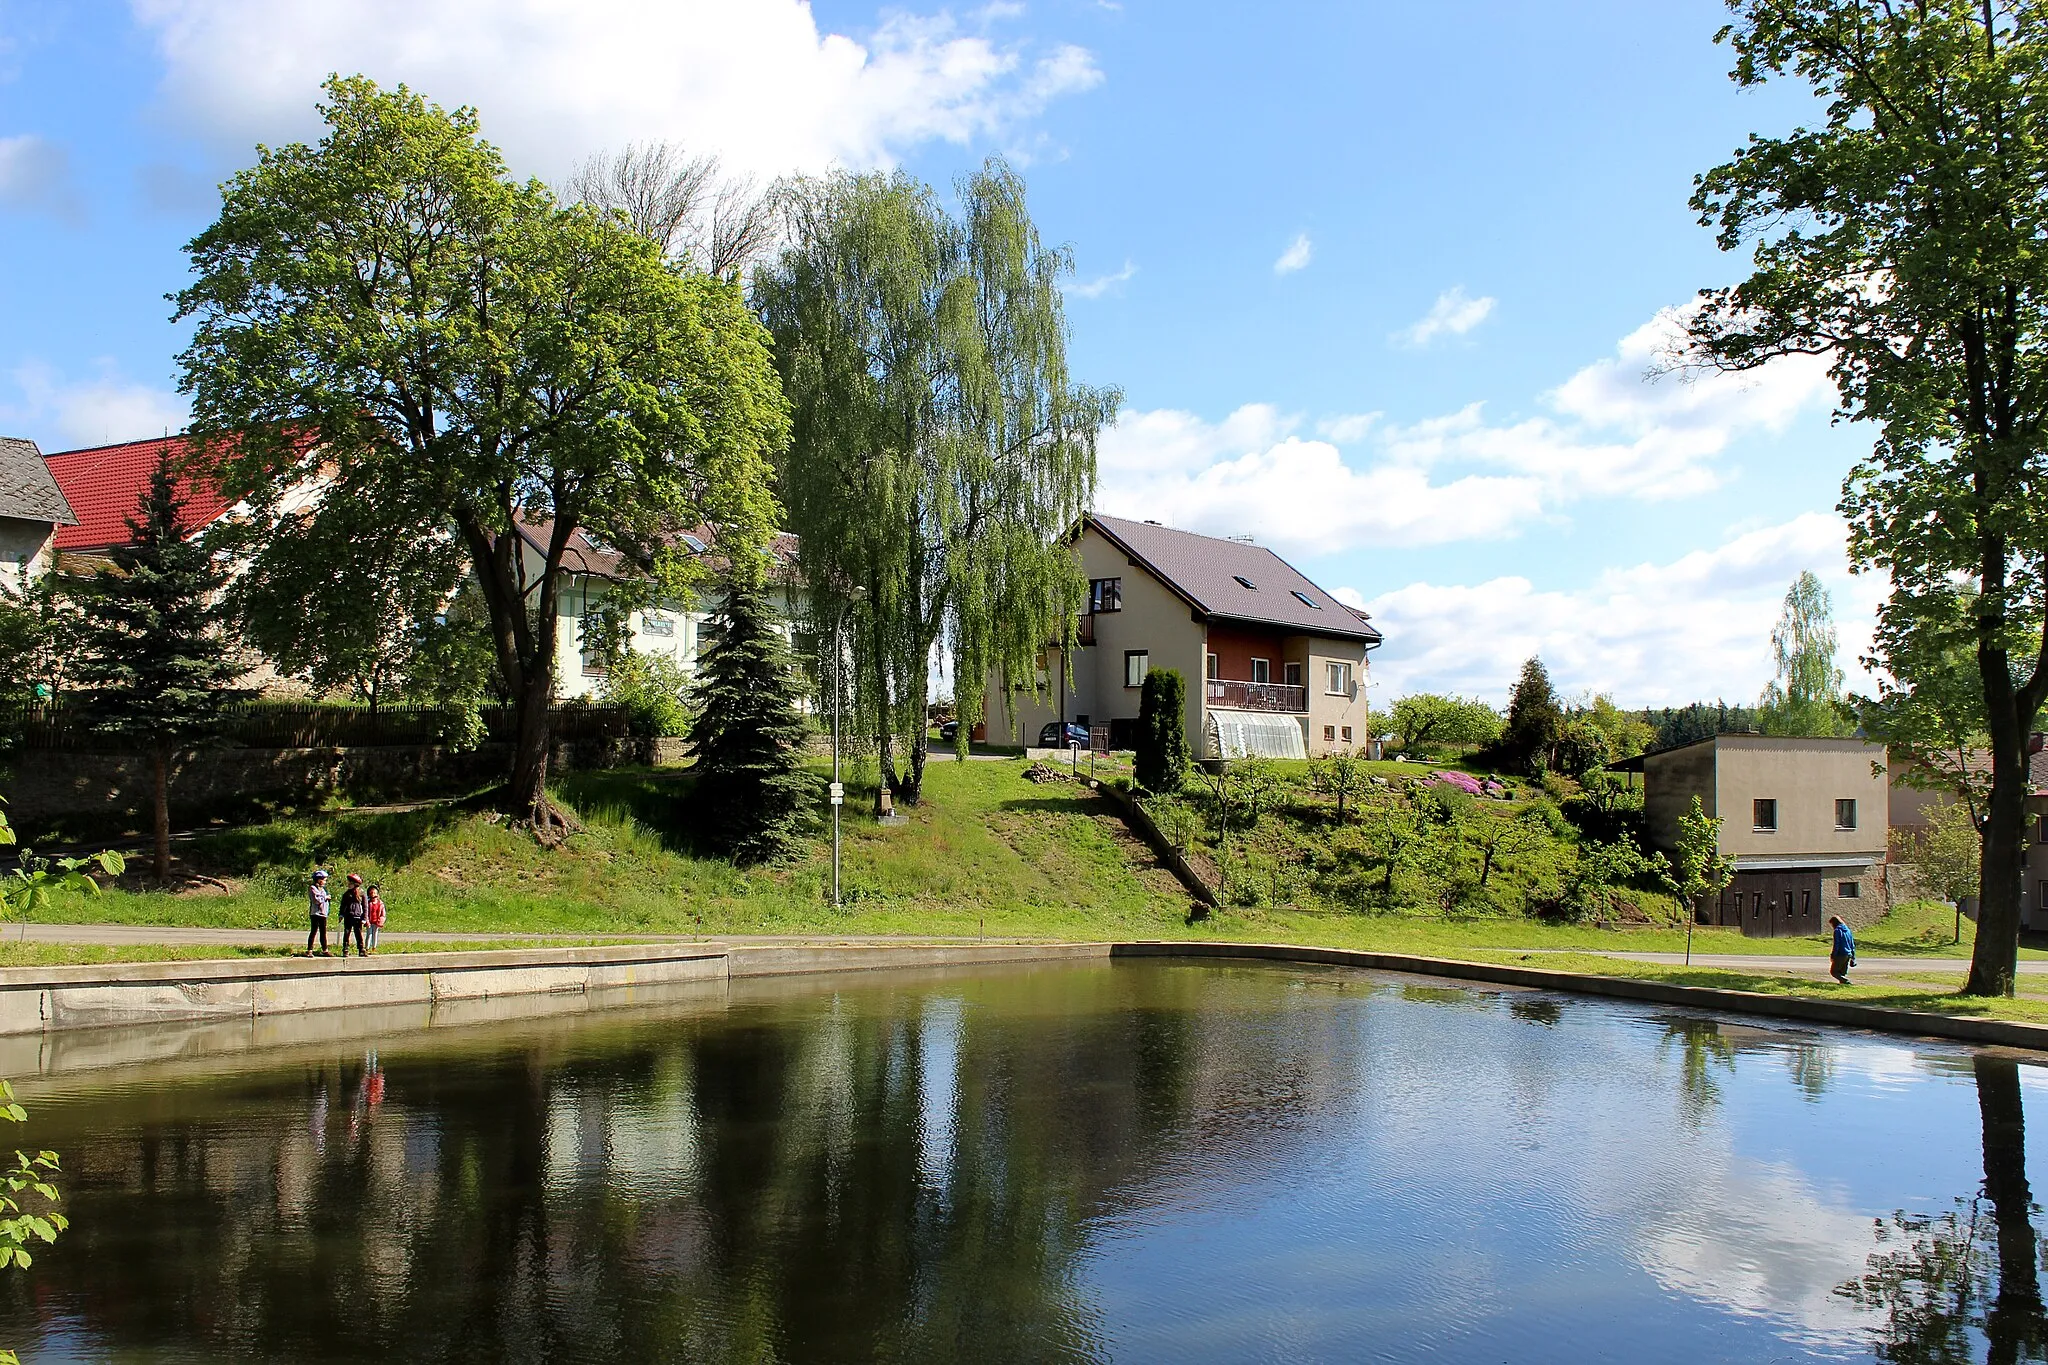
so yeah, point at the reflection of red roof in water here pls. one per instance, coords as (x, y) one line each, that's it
(105, 484)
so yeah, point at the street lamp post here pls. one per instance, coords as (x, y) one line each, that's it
(838, 687)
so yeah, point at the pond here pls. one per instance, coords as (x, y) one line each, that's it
(1130, 1161)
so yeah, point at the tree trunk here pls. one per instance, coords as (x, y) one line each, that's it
(526, 795)
(160, 812)
(2014, 1321)
(1994, 960)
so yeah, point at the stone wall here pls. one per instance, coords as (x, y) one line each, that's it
(45, 785)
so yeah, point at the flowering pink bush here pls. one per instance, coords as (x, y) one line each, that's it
(1464, 782)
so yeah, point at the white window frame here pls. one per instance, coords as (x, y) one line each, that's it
(1338, 676)
(1262, 666)
(1142, 658)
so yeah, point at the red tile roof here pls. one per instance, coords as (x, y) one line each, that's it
(105, 484)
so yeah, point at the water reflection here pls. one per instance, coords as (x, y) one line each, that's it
(1943, 1279)
(1131, 1162)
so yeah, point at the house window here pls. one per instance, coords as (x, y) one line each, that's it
(1136, 663)
(1106, 594)
(1262, 671)
(1764, 815)
(1306, 600)
(1347, 734)
(1845, 814)
(1211, 667)
(1340, 680)
(650, 624)
(1245, 583)
(1291, 674)
(1849, 891)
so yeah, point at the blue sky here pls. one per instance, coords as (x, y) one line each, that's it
(1380, 282)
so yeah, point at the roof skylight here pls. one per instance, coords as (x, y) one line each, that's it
(1245, 581)
(1306, 600)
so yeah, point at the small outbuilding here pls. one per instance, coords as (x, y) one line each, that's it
(1806, 822)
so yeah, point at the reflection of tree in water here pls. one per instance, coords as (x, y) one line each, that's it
(1945, 1282)
(1701, 1050)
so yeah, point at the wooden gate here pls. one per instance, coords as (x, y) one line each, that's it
(1771, 904)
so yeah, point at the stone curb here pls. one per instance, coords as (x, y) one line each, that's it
(1842, 1013)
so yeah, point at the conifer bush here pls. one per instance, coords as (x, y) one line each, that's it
(750, 794)
(1161, 763)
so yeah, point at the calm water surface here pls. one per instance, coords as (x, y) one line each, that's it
(1132, 1162)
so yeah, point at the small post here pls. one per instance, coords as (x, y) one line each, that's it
(1692, 915)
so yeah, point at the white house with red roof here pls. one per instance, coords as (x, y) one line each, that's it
(33, 513)
(104, 486)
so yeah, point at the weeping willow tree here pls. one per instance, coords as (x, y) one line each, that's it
(940, 450)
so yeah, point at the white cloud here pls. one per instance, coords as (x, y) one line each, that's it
(64, 414)
(1101, 284)
(1296, 256)
(1697, 628)
(1453, 314)
(757, 83)
(1612, 430)
(35, 177)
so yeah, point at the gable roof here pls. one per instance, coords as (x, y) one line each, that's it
(1210, 574)
(105, 484)
(584, 555)
(27, 489)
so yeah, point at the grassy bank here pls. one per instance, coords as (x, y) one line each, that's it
(989, 853)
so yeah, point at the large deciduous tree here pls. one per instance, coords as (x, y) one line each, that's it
(940, 449)
(462, 355)
(151, 660)
(1902, 238)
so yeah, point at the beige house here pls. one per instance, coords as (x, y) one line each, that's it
(1274, 665)
(1805, 820)
(32, 510)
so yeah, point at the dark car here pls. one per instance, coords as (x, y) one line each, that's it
(1049, 735)
(949, 732)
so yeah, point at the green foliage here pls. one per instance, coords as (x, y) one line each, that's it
(1428, 722)
(1805, 698)
(1606, 808)
(750, 792)
(1698, 868)
(1625, 733)
(341, 594)
(941, 449)
(1340, 775)
(461, 356)
(1162, 757)
(150, 658)
(655, 691)
(1534, 722)
(1900, 235)
(1672, 727)
(26, 887)
(1946, 857)
(1602, 867)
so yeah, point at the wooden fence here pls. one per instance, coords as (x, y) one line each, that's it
(302, 725)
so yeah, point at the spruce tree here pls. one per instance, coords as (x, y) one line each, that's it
(1162, 758)
(1534, 720)
(750, 792)
(152, 664)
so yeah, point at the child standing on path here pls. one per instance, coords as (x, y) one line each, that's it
(317, 901)
(355, 908)
(1842, 953)
(376, 915)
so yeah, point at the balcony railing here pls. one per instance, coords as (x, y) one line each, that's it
(1086, 633)
(1253, 696)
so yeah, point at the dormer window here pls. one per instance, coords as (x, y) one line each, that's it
(1245, 582)
(1306, 600)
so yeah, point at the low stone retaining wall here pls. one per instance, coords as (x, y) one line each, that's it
(1841, 1013)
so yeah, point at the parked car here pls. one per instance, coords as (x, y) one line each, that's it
(1049, 735)
(949, 732)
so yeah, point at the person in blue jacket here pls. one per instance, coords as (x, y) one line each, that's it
(1842, 953)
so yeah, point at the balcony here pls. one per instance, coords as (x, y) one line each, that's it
(1086, 633)
(1252, 696)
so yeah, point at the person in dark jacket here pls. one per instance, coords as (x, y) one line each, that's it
(1841, 953)
(355, 912)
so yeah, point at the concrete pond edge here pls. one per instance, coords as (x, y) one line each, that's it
(45, 1000)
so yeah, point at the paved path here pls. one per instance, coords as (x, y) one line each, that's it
(1771, 962)
(123, 935)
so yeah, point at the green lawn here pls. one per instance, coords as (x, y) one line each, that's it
(987, 853)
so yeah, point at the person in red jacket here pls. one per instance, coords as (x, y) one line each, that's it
(376, 915)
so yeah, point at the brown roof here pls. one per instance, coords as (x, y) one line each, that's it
(587, 556)
(1213, 575)
(27, 488)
